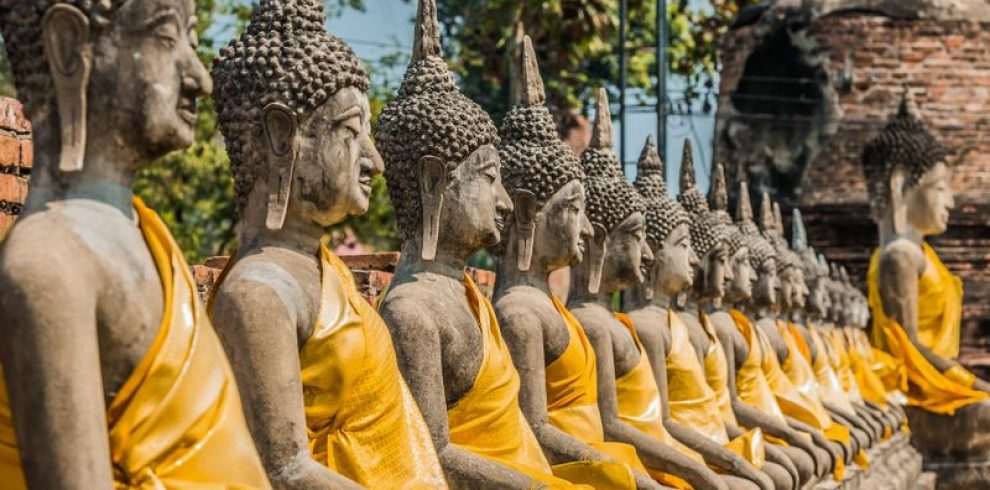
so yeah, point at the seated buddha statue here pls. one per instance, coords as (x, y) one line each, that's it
(692, 360)
(547, 231)
(112, 374)
(629, 398)
(314, 361)
(755, 370)
(917, 302)
(444, 177)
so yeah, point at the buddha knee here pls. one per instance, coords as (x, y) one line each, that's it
(802, 462)
(737, 483)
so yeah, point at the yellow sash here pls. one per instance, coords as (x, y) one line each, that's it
(692, 402)
(870, 385)
(177, 421)
(939, 315)
(829, 386)
(717, 371)
(487, 420)
(639, 405)
(751, 383)
(361, 418)
(572, 406)
(801, 374)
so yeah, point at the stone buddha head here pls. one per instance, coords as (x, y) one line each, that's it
(113, 82)
(815, 277)
(707, 236)
(907, 177)
(543, 176)
(837, 295)
(441, 158)
(616, 255)
(739, 272)
(292, 108)
(668, 232)
(762, 256)
(748, 255)
(826, 296)
(793, 291)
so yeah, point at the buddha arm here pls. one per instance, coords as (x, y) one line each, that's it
(51, 362)
(259, 332)
(419, 352)
(900, 267)
(715, 454)
(819, 439)
(654, 454)
(523, 334)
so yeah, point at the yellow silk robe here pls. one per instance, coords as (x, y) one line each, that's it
(361, 419)
(638, 397)
(751, 383)
(572, 406)
(487, 420)
(177, 422)
(939, 317)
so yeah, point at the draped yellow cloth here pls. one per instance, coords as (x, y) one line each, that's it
(751, 383)
(829, 385)
(639, 405)
(177, 422)
(487, 420)
(751, 445)
(572, 406)
(361, 419)
(692, 402)
(717, 371)
(800, 373)
(940, 294)
(839, 358)
(870, 385)
(939, 315)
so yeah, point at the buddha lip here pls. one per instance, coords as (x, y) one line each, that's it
(499, 223)
(187, 109)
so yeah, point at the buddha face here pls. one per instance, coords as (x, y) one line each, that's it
(714, 268)
(674, 262)
(818, 298)
(337, 159)
(740, 286)
(799, 289)
(626, 252)
(767, 283)
(475, 203)
(929, 201)
(562, 228)
(146, 78)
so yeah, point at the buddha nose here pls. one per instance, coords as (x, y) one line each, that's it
(647, 253)
(371, 160)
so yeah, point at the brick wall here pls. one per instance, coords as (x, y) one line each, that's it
(947, 65)
(16, 160)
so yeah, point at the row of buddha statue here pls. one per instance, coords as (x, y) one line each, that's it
(737, 360)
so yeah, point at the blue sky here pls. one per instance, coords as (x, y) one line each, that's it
(386, 27)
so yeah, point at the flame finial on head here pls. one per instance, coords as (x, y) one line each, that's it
(799, 235)
(688, 180)
(718, 196)
(530, 89)
(767, 223)
(744, 208)
(601, 132)
(427, 40)
(778, 221)
(649, 163)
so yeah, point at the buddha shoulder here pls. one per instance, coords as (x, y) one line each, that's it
(259, 292)
(902, 255)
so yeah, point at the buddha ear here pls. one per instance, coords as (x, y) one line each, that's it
(280, 131)
(652, 272)
(432, 184)
(65, 33)
(898, 207)
(525, 209)
(596, 258)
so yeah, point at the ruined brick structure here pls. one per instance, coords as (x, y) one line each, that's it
(814, 85)
(16, 160)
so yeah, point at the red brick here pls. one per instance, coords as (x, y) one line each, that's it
(13, 188)
(10, 150)
(27, 153)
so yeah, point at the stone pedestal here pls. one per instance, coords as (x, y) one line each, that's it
(955, 449)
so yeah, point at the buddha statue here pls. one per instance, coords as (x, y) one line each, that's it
(615, 258)
(113, 376)
(444, 177)
(755, 371)
(917, 302)
(690, 354)
(547, 231)
(314, 361)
